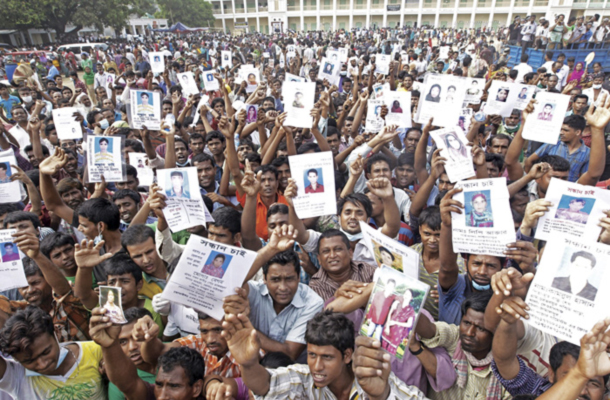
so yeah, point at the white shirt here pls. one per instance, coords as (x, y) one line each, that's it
(591, 94)
(527, 31)
(22, 137)
(523, 69)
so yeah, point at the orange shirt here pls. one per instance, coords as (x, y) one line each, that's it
(261, 213)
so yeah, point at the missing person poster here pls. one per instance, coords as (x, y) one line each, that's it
(343, 54)
(485, 225)
(576, 210)
(442, 97)
(390, 253)
(11, 266)
(454, 148)
(185, 208)
(315, 178)
(382, 63)
(504, 97)
(544, 124)
(566, 297)
(10, 191)
(157, 63)
(207, 273)
(204, 100)
(252, 77)
(399, 109)
(330, 71)
(139, 161)
(374, 122)
(379, 90)
(66, 125)
(293, 78)
(105, 157)
(393, 309)
(209, 82)
(188, 84)
(298, 103)
(474, 90)
(226, 60)
(145, 110)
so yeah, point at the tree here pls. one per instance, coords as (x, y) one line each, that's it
(192, 13)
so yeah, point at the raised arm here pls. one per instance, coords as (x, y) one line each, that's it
(513, 166)
(420, 154)
(87, 255)
(50, 166)
(421, 197)
(449, 271)
(597, 120)
(250, 185)
(382, 187)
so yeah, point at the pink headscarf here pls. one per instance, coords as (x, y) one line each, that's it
(577, 75)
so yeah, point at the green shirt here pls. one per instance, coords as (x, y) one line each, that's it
(115, 394)
(89, 78)
(156, 316)
(180, 237)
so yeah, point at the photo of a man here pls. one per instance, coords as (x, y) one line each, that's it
(574, 211)
(145, 108)
(157, 59)
(141, 164)
(9, 253)
(104, 156)
(298, 100)
(547, 113)
(216, 264)
(474, 89)
(380, 308)
(177, 190)
(5, 172)
(209, 77)
(523, 94)
(315, 182)
(577, 282)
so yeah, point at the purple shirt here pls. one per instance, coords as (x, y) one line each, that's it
(211, 270)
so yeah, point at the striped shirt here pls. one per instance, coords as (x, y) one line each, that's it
(296, 382)
(579, 159)
(526, 381)
(225, 366)
(325, 287)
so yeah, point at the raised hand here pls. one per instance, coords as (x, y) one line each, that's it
(101, 329)
(601, 116)
(237, 303)
(357, 166)
(449, 205)
(145, 329)
(478, 156)
(381, 187)
(19, 175)
(513, 309)
(52, 165)
(291, 191)
(251, 183)
(87, 255)
(524, 253)
(538, 170)
(282, 239)
(529, 109)
(511, 282)
(28, 243)
(438, 164)
(593, 360)
(372, 367)
(533, 212)
(242, 339)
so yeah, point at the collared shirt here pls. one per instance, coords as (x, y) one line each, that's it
(232, 199)
(261, 213)
(478, 380)
(225, 366)
(296, 382)
(361, 251)
(325, 287)
(579, 159)
(151, 285)
(289, 325)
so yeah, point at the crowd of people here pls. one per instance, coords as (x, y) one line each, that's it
(292, 330)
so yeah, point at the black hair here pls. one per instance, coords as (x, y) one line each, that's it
(8, 208)
(190, 360)
(135, 145)
(137, 234)
(584, 254)
(131, 171)
(502, 136)
(22, 329)
(277, 208)
(477, 301)
(431, 216)
(578, 96)
(279, 161)
(333, 233)
(253, 158)
(227, 218)
(101, 210)
(29, 147)
(378, 157)
(524, 58)
(121, 264)
(358, 199)
(220, 255)
(122, 193)
(276, 359)
(135, 313)
(54, 241)
(215, 135)
(203, 157)
(196, 136)
(312, 170)
(559, 351)
(406, 159)
(496, 159)
(328, 328)
(558, 163)
(381, 248)
(284, 258)
(305, 147)
(268, 168)
(18, 216)
(577, 122)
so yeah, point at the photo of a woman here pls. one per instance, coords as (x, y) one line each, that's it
(400, 322)
(455, 148)
(434, 95)
(396, 107)
(112, 303)
(502, 95)
(480, 216)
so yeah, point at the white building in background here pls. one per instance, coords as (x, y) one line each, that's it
(309, 15)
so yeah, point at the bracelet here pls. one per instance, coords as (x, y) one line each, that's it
(418, 352)
(205, 387)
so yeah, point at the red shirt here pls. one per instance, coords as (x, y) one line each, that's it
(380, 307)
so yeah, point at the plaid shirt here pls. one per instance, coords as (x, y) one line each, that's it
(326, 287)
(226, 366)
(579, 159)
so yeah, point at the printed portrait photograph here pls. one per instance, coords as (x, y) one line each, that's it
(110, 300)
(434, 95)
(502, 95)
(252, 79)
(456, 149)
(547, 112)
(298, 100)
(391, 314)
(575, 209)
(103, 154)
(474, 89)
(396, 108)
(216, 265)
(157, 59)
(5, 172)
(478, 211)
(328, 68)
(577, 274)
(385, 256)
(450, 96)
(314, 181)
(9, 251)
(209, 77)
(251, 114)
(523, 94)
(145, 104)
(177, 184)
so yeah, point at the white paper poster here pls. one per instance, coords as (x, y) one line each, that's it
(209, 82)
(576, 210)
(10, 192)
(204, 100)
(443, 53)
(389, 252)
(207, 273)
(333, 55)
(442, 97)
(104, 157)
(465, 119)
(374, 122)
(145, 109)
(226, 60)
(504, 97)
(382, 63)
(11, 266)
(474, 90)
(343, 54)
(185, 208)
(399, 109)
(252, 78)
(379, 90)
(298, 103)
(486, 224)
(330, 71)
(66, 125)
(544, 124)
(315, 178)
(454, 147)
(188, 84)
(157, 63)
(566, 297)
(293, 78)
(146, 174)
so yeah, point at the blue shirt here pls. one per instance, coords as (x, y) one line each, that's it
(450, 301)
(53, 72)
(579, 159)
(8, 104)
(526, 382)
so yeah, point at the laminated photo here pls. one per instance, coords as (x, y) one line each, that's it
(374, 122)
(105, 157)
(455, 149)
(157, 62)
(251, 113)
(544, 124)
(576, 211)
(110, 301)
(298, 103)
(209, 82)
(565, 297)
(206, 273)
(145, 110)
(11, 266)
(393, 309)
(315, 178)
(486, 224)
(399, 108)
(10, 191)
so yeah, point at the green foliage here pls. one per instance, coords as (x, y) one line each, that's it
(192, 13)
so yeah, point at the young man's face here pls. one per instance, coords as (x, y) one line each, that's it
(131, 183)
(499, 146)
(576, 205)
(334, 143)
(473, 335)
(182, 152)
(386, 258)
(282, 282)
(130, 346)
(42, 355)
(209, 331)
(405, 175)
(63, 257)
(429, 237)
(380, 169)
(216, 146)
(222, 235)
(326, 363)
(129, 288)
(411, 141)
(175, 385)
(127, 208)
(269, 184)
(283, 175)
(312, 177)
(350, 217)
(38, 291)
(206, 173)
(23, 226)
(87, 228)
(73, 198)
(197, 146)
(177, 181)
(481, 268)
(492, 170)
(242, 150)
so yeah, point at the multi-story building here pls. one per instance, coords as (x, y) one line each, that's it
(310, 15)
